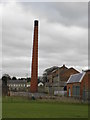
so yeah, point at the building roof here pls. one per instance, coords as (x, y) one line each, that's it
(60, 69)
(76, 78)
(16, 81)
(70, 70)
(40, 84)
(88, 70)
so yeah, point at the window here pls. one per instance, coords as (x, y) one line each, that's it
(69, 92)
(76, 90)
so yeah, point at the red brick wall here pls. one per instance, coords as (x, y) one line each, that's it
(69, 86)
(84, 84)
(66, 75)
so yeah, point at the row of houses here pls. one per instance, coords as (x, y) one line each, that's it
(17, 85)
(20, 85)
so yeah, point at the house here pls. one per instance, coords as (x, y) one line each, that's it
(17, 85)
(40, 84)
(41, 87)
(78, 85)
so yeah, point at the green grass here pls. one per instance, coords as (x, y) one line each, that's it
(24, 108)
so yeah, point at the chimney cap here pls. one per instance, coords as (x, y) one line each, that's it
(35, 22)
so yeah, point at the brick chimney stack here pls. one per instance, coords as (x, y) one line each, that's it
(34, 69)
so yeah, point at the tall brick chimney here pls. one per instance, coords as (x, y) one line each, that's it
(34, 69)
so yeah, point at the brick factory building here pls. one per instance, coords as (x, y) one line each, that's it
(78, 85)
(56, 80)
(61, 74)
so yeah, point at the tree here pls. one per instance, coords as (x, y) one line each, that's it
(14, 78)
(5, 77)
(28, 79)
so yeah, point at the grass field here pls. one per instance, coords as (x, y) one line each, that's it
(24, 108)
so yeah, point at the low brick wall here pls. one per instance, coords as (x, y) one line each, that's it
(45, 97)
(28, 94)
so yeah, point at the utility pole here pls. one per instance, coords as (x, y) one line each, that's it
(58, 80)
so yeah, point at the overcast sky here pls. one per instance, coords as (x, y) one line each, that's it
(63, 36)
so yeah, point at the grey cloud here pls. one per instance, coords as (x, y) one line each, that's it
(62, 36)
(68, 13)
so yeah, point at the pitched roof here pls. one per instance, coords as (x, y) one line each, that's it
(49, 70)
(61, 69)
(70, 70)
(73, 69)
(76, 78)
